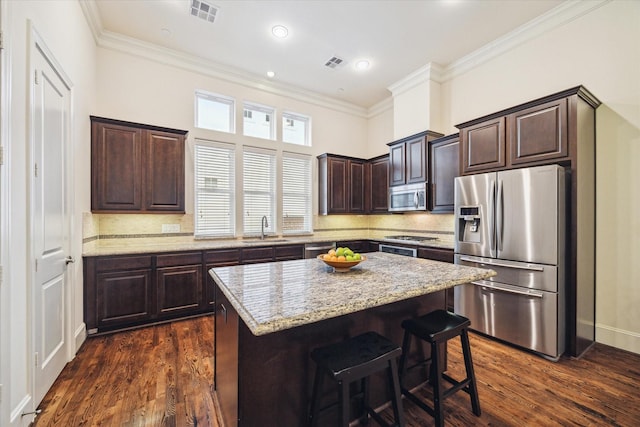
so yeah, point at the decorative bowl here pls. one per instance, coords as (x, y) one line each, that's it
(342, 266)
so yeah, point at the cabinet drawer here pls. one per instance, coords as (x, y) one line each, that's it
(170, 260)
(444, 255)
(123, 263)
(262, 254)
(289, 252)
(222, 257)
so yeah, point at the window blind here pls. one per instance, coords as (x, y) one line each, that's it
(259, 177)
(215, 189)
(296, 193)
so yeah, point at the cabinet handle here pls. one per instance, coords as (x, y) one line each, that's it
(223, 309)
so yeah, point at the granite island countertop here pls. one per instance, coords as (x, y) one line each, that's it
(271, 297)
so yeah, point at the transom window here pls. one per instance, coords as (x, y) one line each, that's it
(215, 112)
(296, 129)
(258, 121)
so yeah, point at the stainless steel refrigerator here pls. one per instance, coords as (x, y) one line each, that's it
(514, 223)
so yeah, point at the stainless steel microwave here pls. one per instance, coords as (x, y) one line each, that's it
(410, 197)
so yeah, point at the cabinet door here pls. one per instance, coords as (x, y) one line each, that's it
(337, 185)
(483, 146)
(379, 185)
(217, 258)
(164, 168)
(397, 164)
(116, 174)
(179, 290)
(356, 186)
(289, 252)
(124, 298)
(256, 255)
(539, 133)
(444, 167)
(417, 162)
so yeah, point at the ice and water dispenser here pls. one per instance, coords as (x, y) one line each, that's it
(469, 224)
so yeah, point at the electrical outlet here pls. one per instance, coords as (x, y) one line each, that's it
(170, 228)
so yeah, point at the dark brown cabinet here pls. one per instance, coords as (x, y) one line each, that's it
(538, 133)
(179, 284)
(378, 185)
(409, 158)
(226, 374)
(529, 135)
(120, 291)
(444, 167)
(444, 255)
(483, 146)
(136, 167)
(341, 184)
(217, 258)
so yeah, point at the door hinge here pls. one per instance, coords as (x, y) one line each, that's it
(0, 392)
(35, 170)
(36, 264)
(36, 358)
(1, 40)
(35, 76)
(1, 155)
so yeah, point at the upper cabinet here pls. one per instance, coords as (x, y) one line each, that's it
(444, 167)
(530, 134)
(341, 184)
(136, 167)
(378, 185)
(349, 185)
(409, 158)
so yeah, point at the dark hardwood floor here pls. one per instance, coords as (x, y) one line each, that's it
(162, 376)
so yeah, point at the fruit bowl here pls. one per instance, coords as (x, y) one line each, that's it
(341, 266)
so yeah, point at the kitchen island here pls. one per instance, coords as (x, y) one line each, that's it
(269, 317)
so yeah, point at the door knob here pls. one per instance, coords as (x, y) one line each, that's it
(69, 260)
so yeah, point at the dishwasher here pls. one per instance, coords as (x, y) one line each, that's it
(312, 250)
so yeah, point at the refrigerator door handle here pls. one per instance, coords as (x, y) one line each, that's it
(484, 261)
(499, 216)
(488, 285)
(491, 213)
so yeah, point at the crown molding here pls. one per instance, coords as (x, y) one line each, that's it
(117, 42)
(554, 18)
(432, 71)
(380, 107)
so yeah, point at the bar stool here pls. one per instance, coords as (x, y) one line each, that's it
(436, 328)
(355, 360)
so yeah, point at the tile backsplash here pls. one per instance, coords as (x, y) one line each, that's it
(114, 226)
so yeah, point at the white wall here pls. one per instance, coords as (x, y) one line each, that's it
(61, 25)
(140, 90)
(600, 50)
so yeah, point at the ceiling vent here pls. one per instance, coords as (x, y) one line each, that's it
(334, 62)
(204, 10)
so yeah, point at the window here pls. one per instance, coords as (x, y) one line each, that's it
(296, 193)
(215, 112)
(258, 121)
(214, 189)
(296, 129)
(259, 186)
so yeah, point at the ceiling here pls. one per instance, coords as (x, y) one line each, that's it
(397, 37)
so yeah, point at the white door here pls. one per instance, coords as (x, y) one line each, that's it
(50, 116)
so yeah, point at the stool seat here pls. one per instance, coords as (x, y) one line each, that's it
(358, 356)
(355, 360)
(438, 325)
(436, 328)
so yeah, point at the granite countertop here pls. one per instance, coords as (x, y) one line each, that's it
(158, 245)
(275, 296)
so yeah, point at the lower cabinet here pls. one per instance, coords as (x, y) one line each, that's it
(124, 291)
(179, 284)
(127, 291)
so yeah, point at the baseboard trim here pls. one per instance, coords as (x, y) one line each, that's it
(80, 336)
(619, 338)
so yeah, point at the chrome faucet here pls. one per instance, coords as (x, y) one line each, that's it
(265, 223)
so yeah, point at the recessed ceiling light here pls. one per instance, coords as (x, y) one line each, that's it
(280, 31)
(362, 64)
(271, 74)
